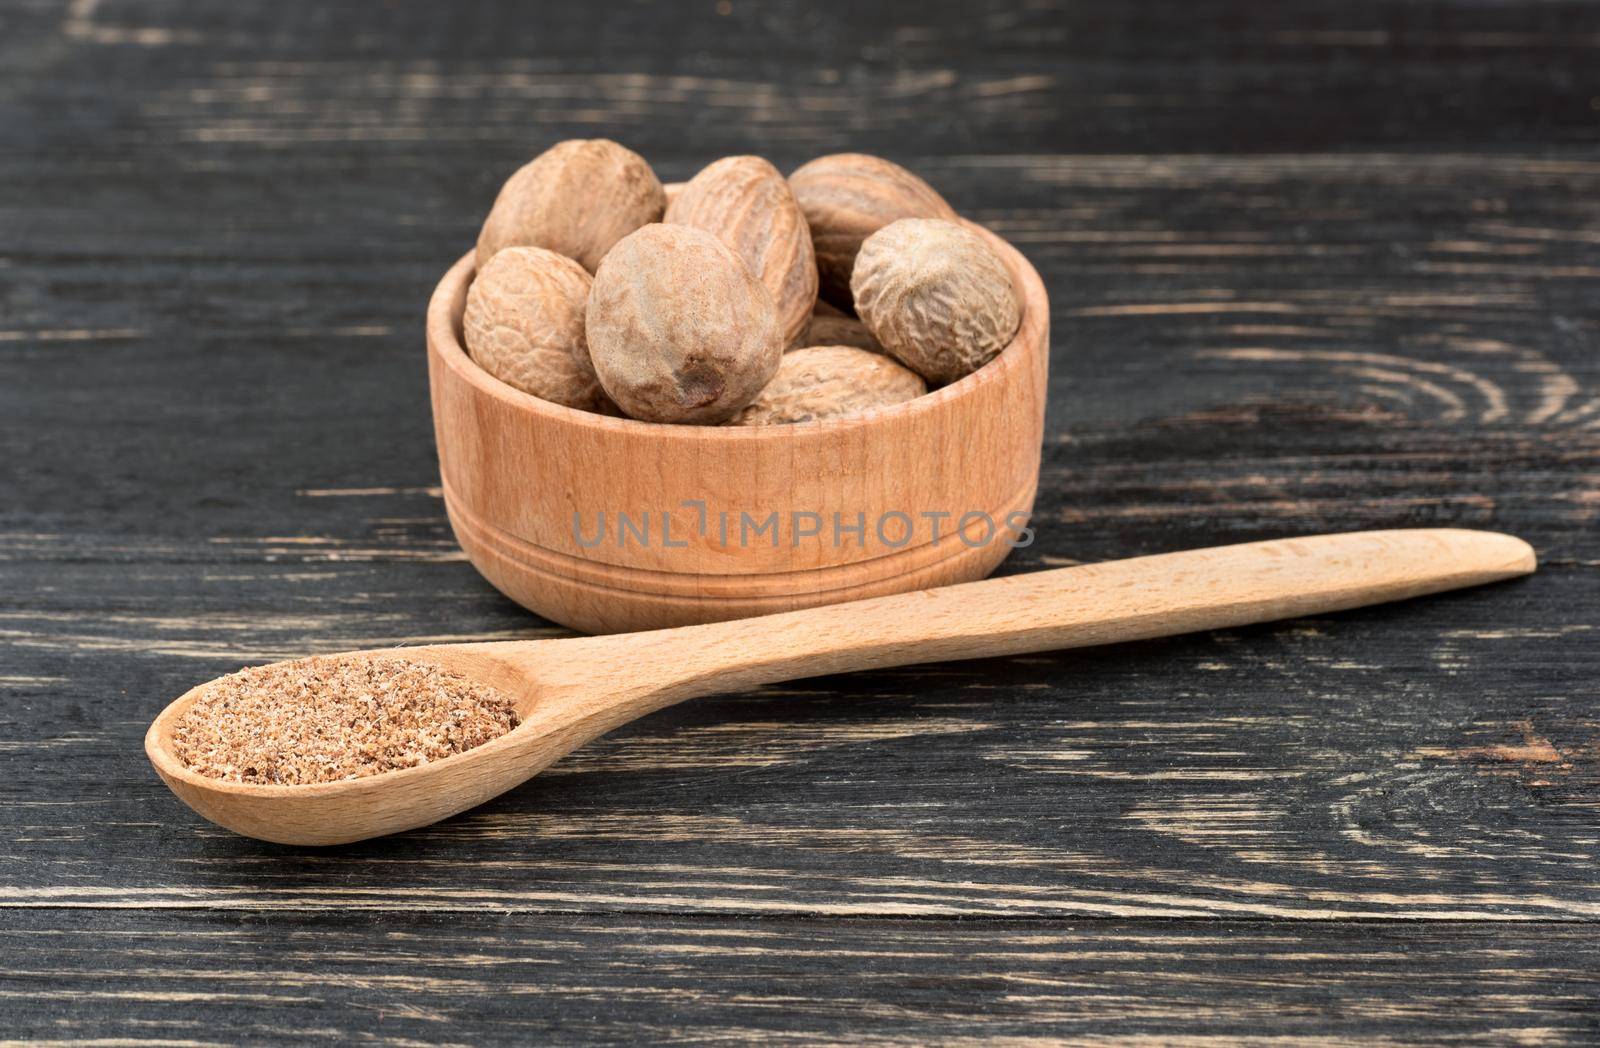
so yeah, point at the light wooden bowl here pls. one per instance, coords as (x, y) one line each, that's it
(516, 470)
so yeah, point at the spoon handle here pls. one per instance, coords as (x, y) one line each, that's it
(1104, 603)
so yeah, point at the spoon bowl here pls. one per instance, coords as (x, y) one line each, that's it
(355, 809)
(570, 691)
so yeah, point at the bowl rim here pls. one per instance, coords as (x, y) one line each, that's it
(444, 324)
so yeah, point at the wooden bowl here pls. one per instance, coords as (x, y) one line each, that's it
(526, 483)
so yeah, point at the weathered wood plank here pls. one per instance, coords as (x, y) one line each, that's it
(207, 978)
(1432, 759)
(1194, 396)
(951, 76)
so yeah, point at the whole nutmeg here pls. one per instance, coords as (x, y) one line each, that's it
(679, 328)
(524, 325)
(826, 330)
(936, 296)
(847, 197)
(577, 198)
(825, 382)
(744, 202)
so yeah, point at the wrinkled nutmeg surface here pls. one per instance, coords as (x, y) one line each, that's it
(524, 325)
(936, 296)
(846, 197)
(679, 329)
(577, 198)
(830, 382)
(744, 202)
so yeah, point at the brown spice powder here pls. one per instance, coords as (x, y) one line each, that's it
(329, 718)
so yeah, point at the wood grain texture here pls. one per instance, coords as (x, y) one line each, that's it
(469, 978)
(1311, 268)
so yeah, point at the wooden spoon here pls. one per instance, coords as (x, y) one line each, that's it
(569, 691)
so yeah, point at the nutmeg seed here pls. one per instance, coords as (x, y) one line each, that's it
(679, 329)
(577, 198)
(936, 296)
(846, 197)
(825, 330)
(829, 382)
(524, 325)
(744, 202)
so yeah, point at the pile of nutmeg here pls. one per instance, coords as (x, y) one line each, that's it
(598, 289)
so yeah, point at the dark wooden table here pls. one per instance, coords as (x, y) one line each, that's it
(1314, 266)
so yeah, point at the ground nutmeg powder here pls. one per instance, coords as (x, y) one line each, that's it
(332, 717)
